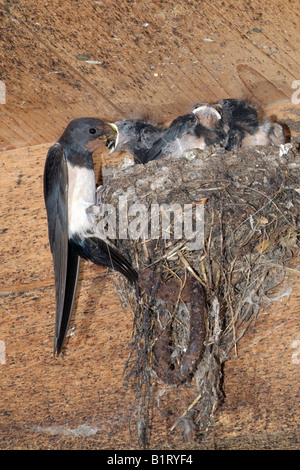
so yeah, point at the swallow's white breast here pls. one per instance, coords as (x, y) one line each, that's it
(81, 195)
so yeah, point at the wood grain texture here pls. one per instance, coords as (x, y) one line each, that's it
(154, 59)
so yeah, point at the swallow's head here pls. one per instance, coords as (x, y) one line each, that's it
(86, 134)
(208, 115)
(125, 136)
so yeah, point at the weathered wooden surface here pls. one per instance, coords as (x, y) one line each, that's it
(157, 59)
(61, 60)
(45, 398)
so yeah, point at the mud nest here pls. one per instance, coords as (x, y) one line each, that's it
(198, 295)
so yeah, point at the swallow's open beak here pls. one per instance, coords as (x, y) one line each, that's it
(106, 131)
(113, 138)
(206, 108)
(208, 115)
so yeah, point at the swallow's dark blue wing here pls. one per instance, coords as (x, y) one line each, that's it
(177, 129)
(64, 314)
(148, 135)
(242, 119)
(103, 254)
(66, 260)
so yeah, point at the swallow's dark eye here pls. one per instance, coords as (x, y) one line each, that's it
(92, 130)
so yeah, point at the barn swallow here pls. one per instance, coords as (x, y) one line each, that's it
(243, 127)
(198, 129)
(229, 123)
(134, 136)
(69, 190)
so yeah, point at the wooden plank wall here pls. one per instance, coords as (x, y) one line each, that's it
(61, 60)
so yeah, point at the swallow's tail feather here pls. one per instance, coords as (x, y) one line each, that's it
(103, 254)
(64, 310)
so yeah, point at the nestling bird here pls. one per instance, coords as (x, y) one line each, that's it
(243, 127)
(229, 123)
(202, 127)
(69, 190)
(134, 136)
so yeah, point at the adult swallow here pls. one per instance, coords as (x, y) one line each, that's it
(198, 129)
(134, 136)
(69, 190)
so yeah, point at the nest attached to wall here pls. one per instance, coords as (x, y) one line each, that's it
(195, 304)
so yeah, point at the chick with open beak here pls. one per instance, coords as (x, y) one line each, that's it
(134, 136)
